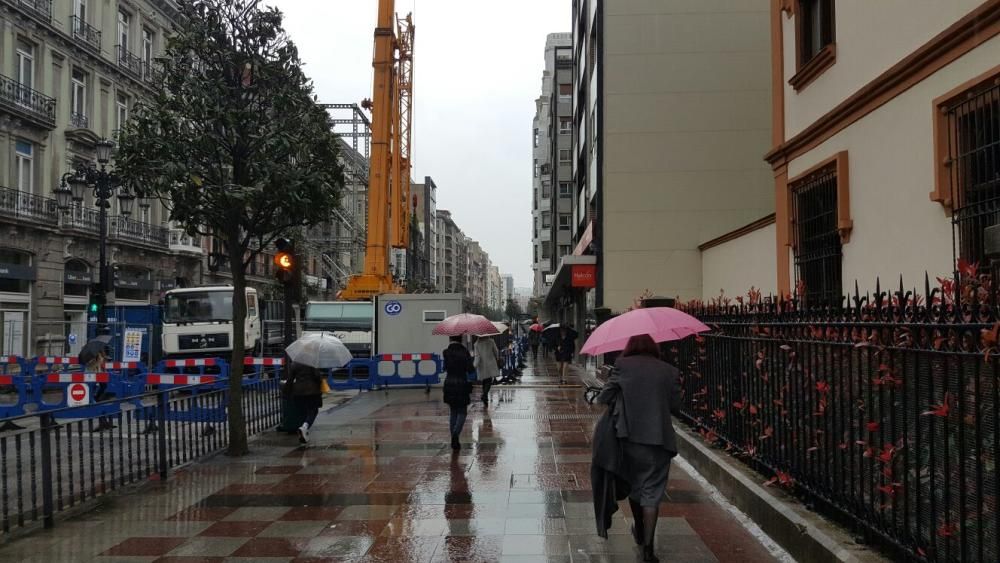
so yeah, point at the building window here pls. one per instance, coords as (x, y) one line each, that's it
(564, 155)
(546, 220)
(147, 50)
(25, 71)
(78, 99)
(564, 221)
(123, 24)
(15, 283)
(565, 91)
(121, 109)
(814, 41)
(819, 231)
(77, 279)
(564, 250)
(565, 125)
(546, 190)
(80, 9)
(536, 137)
(24, 166)
(536, 168)
(434, 316)
(969, 171)
(546, 249)
(565, 189)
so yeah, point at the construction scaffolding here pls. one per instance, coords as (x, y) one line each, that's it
(340, 243)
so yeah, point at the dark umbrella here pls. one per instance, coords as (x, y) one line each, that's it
(93, 347)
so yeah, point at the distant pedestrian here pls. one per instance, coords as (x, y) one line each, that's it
(565, 346)
(457, 388)
(95, 364)
(533, 342)
(487, 364)
(643, 392)
(307, 393)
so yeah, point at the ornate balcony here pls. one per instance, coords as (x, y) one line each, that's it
(128, 61)
(23, 206)
(79, 120)
(41, 9)
(82, 219)
(85, 33)
(127, 230)
(183, 242)
(28, 103)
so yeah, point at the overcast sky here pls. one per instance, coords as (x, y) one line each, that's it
(477, 72)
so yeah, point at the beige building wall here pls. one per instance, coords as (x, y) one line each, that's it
(733, 267)
(686, 120)
(866, 47)
(897, 229)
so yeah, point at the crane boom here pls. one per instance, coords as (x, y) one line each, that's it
(389, 168)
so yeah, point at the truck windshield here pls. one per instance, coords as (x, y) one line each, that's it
(198, 306)
(333, 312)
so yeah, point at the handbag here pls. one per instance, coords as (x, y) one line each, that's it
(324, 387)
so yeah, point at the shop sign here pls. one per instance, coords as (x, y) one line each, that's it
(78, 278)
(167, 285)
(134, 283)
(17, 272)
(584, 275)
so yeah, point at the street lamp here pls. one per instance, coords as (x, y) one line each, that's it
(104, 184)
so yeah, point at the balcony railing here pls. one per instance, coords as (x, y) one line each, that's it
(26, 206)
(183, 242)
(129, 230)
(85, 32)
(29, 102)
(80, 218)
(79, 120)
(39, 8)
(128, 60)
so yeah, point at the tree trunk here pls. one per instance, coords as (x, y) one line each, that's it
(237, 424)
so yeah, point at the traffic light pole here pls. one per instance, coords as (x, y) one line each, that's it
(291, 285)
(102, 310)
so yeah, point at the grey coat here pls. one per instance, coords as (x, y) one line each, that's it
(650, 392)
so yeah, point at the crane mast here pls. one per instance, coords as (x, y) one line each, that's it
(389, 168)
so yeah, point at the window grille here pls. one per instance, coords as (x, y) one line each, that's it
(817, 240)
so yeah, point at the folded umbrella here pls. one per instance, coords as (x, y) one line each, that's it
(663, 324)
(465, 323)
(321, 350)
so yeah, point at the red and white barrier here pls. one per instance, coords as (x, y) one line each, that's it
(60, 360)
(263, 361)
(406, 357)
(189, 363)
(102, 377)
(171, 379)
(121, 365)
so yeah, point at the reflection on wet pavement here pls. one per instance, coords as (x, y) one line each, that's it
(380, 484)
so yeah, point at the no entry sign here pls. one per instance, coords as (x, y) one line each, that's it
(77, 394)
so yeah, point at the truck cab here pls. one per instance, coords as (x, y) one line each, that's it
(197, 321)
(350, 321)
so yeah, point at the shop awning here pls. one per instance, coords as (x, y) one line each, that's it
(574, 273)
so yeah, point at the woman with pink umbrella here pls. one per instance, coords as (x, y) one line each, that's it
(641, 395)
(458, 364)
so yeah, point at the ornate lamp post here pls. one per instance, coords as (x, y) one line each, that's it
(104, 185)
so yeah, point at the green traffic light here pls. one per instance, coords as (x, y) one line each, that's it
(93, 307)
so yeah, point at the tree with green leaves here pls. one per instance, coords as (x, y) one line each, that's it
(513, 310)
(234, 142)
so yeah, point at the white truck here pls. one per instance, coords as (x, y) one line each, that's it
(197, 321)
(390, 324)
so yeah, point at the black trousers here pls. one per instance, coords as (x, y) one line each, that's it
(487, 383)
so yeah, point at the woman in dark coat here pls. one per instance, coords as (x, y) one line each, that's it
(565, 346)
(457, 387)
(649, 391)
(307, 393)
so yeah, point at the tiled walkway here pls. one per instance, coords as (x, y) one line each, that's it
(380, 484)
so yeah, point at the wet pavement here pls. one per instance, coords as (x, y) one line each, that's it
(379, 483)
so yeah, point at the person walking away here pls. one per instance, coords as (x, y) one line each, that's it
(96, 365)
(307, 394)
(487, 364)
(533, 343)
(565, 346)
(457, 388)
(648, 391)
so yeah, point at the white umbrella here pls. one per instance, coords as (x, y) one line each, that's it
(321, 350)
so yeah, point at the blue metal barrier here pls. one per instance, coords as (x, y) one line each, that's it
(15, 381)
(97, 384)
(407, 369)
(358, 374)
(210, 374)
(257, 369)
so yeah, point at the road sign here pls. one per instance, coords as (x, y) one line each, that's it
(132, 345)
(393, 308)
(77, 394)
(71, 338)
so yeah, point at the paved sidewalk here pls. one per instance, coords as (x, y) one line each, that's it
(380, 484)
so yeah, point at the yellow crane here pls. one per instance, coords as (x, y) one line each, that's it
(391, 107)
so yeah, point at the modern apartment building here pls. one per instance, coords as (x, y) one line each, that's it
(670, 102)
(548, 139)
(452, 260)
(70, 71)
(508, 289)
(424, 221)
(884, 115)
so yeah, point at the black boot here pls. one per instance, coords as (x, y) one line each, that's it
(648, 555)
(454, 442)
(649, 517)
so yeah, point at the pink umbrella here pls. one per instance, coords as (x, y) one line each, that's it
(662, 323)
(536, 328)
(457, 325)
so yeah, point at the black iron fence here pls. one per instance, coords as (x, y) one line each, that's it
(55, 464)
(881, 411)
